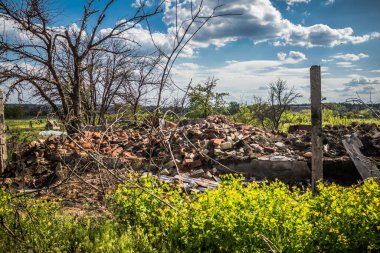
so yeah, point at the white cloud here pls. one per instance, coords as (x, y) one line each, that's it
(139, 3)
(245, 79)
(260, 21)
(363, 85)
(329, 2)
(281, 56)
(350, 57)
(292, 2)
(360, 81)
(291, 57)
(143, 38)
(10, 32)
(345, 64)
(321, 35)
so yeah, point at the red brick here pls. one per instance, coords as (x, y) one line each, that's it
(188, 162)
(269, 150)
(196, 163)
(217, 141)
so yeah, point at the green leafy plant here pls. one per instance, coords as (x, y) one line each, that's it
(204, 101)
(237, 217)
(255, 218)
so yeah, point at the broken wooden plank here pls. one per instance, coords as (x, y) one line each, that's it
(316, 127)
(199, 182)
(366, 167)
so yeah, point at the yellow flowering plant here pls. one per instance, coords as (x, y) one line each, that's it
(236, 217)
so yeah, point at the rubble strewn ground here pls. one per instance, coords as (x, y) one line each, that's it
(83, 168)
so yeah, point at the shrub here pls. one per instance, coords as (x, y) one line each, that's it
(236, 217)
(29, 225)
(204, 101)
(254, 218)
(244, 115)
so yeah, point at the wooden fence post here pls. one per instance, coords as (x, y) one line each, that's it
(316, 124)
(3, 143)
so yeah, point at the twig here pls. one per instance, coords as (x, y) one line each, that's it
(120, 180)
(270, 244)
(8, 231)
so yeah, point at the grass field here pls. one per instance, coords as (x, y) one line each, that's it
(20, 130)
(328, 118)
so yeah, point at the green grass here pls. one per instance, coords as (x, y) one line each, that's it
(304, 117)
(18, 130)
(328, 118)
(24, 123)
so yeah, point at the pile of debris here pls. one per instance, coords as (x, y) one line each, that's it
(193, 152)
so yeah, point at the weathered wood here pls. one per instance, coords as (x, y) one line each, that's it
(366, 168)
(316, 124)
(202, 184)
(3, 143)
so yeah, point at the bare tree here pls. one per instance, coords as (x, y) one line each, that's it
(141, 82)
(280, 97)
(53, 61)
(106, 72)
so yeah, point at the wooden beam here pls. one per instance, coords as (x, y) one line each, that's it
(3, 143)
(316, 125)
(366, 167)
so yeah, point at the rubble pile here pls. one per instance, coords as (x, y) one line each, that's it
(190, 149)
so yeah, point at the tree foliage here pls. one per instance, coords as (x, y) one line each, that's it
(204, 101)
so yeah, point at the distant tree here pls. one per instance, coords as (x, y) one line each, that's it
(260, 110)
(244, 115)
(280, 97)
(14, 111)
(269, 113)
(204, 101)
(233, 107)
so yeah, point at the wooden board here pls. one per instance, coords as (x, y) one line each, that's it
(365, 166)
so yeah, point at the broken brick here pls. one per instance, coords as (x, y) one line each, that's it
(307, 154)
(217, 141)
(269, 150)
(188, 162)
(196, 163)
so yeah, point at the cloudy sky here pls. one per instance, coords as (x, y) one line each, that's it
(270, 40)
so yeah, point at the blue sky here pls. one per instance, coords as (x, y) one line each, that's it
(270, 40)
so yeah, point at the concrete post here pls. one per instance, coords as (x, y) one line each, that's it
(316, 124)
(3, 143)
